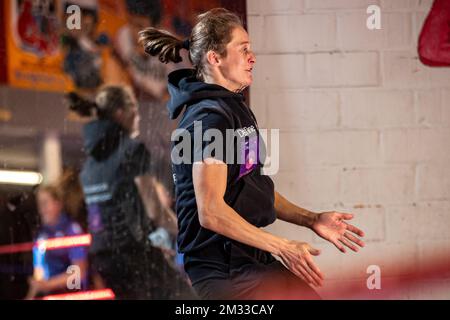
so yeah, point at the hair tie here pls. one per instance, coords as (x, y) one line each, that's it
(185, 44)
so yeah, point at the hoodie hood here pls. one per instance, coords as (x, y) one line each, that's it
(101, 137)
(185, 89)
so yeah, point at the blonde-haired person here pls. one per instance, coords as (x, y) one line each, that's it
(50, 266)
(222, 205)
(121, 196)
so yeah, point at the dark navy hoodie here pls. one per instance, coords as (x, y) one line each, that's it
(207, 254)
(116, 214)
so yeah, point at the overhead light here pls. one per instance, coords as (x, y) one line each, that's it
(29, 178)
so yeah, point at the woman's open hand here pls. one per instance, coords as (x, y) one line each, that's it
(297, 256)
(332, 227)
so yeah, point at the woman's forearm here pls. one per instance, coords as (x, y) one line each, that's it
(161, 215)
(223, 219)
(60, 281)
(57, 282)
(289, 212)
(210, 181)
(168, 220)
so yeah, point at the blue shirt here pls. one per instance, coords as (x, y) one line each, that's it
(49, 263)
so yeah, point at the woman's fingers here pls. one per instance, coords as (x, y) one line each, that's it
(311, 266)
(313, 251)
(310, 262)
(302, 264)
(301, 273)
(354, 239)
(307, 275)
(298, 274)
(339, 246)
(348, 244)
(346, 216)
(300, 270)
(315, 272)
(355, 230)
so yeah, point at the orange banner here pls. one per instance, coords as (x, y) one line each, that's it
(34, 56)
(47, 51)
(44, 54)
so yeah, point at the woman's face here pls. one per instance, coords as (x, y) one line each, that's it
(49, 208)
(237, 66)
(129, 116)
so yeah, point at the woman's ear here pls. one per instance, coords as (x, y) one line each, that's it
(213, 58)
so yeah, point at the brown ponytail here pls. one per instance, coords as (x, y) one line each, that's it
(80, 105)
(107, 101)
(161, 43)
(213, 31)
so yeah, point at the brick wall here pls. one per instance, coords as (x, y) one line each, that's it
(364, 127)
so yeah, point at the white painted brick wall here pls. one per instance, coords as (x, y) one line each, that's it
(433, 181)
(429, 107)
(355, 69)
(304, 110)
(364, 128)
(379, 185)
(280, 71)
(338, 147)
(274, 6)
(377, 108)
(395, 33)
(445, 107)
(340, 5)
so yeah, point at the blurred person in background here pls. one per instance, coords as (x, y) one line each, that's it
(82, 48)
(122, 200)
(50, 266)
(73, 197)
(147, 74)
(148, 78)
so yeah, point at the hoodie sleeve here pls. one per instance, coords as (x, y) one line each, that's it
(138, 162)
(215, 140)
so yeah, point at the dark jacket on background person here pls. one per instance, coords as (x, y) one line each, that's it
(116, 214)
(121, 252)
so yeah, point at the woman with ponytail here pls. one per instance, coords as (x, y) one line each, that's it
(222, 205)
(122, 202)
